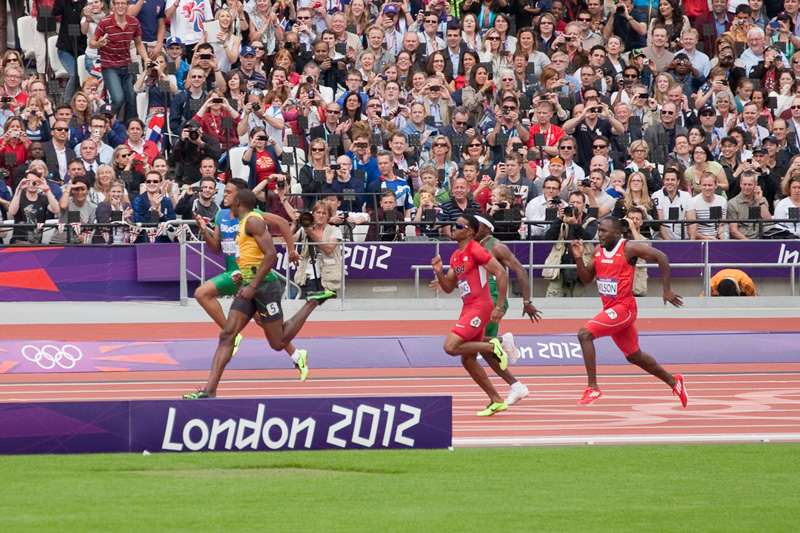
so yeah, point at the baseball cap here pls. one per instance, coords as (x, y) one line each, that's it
(174, 40)
(770, 138)
(390, 8)
(681, 56)
(728, 139)
(707, 110)
(760, 150)
(107, 109)
(637, 52)
(247, 51)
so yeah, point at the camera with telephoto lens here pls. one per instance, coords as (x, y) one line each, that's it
(626, 227)
(194, 132)
(586, 182)
(620, 10)
(569, 211)
(280, 184)
(310, 79)
(306, 219)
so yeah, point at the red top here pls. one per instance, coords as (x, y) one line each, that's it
(484, 198)
(212, 125)
(614, 276)
(473, 278)
(265, 167)
(149, 152)
(551, 138)
(117, 53)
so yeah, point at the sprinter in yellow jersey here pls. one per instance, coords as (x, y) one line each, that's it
(260, 293)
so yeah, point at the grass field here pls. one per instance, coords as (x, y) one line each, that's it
(600, 488)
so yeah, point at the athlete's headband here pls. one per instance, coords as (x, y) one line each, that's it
(484, 221)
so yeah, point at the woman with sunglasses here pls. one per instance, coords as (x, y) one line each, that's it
(474, 149)
(124, 167)
(318, 161)
(493, 51)
(442, 159)
(546, 32)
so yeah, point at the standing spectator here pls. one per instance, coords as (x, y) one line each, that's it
(630, 25)
(201, 202)
(211, 115)
(93, 13)
(152, 18)
(69, 47)
(187, 102)
(113, 37)
(187, 18)
(261, 157)
(143, 151)
(264, 25)
(175, 54)
(592, 122)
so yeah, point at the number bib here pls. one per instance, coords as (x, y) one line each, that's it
(230, 248)
(607, 287)
(463, 287)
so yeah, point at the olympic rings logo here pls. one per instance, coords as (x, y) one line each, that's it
(48, 356)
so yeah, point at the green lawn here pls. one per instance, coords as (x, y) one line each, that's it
(582, 488)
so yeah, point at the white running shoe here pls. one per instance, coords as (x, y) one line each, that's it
(507, 341)
(516, 394)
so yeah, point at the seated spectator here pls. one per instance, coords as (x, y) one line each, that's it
(318, 161)
(102, 184)
(116, 132)
(103, 152)
(37, 127)
(732, 282)
(430, 175)
(143, 151)
(31, 202)
(361, 155)
(199, 202)
(701, 209)
(187, 102)
(704, 162)
(279, 200)
(154, 204)
(536, 209)
(320, 269)
(79, 124)
(596, 194)
(125, 169)
(75, 200)
(405, 164)
(333, 126)
(193, 146)
(480, 186)
(572, 222)
(428, 210)
(387, 219)
(639, 163)
(342, 182)
(458, 204)
(507, 216)
(344, 219)
(114, 202)
(637, 198)
(672, 203)
(790, 188)
(389, 180)
(739, 208)
(442, 159)
(509, 174)
(13, 147)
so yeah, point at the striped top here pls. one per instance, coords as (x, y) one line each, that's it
(117, 52)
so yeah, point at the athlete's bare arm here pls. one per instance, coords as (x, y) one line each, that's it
(585, 272)
(501, 279)
(634, 250)
(257, 228)
(286, 231)
(447, 282)
(502, 253)
(212, 239)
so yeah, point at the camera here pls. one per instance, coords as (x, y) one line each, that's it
(205, 56)
(586, 182)
(620, 10)
(597, 109)
(434, 89)
(280, 184)
(569, 211)
(311, 95)
(306, 219)
(334, 166)
(626, 227)
(310, 79)
(502, 205)
(5, 100)
(256, 107)
(194, 132)
(506, 112)
(262, 138)
(216, 100)
(151, 64)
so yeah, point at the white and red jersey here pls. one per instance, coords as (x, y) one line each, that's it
(614, 276)
(470, 269)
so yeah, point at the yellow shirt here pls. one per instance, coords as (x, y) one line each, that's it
(249, 254)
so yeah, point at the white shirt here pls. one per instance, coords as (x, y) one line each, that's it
(189, 32)
(62, 162)
(663, 204)
(702, 210)
(535, 211)
(782, 211)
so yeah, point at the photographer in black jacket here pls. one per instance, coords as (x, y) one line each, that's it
(571, 223)
(189, 151)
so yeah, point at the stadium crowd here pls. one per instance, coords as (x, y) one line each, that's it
(403, 115)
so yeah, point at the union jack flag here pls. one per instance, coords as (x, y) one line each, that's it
(194, 11)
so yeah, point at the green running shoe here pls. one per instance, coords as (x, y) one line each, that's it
(236, 343)
(494, 407)
(302, 365)
(500, 353)
(321, 297)
(199, 395)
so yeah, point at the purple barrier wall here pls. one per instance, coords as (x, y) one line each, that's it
(226, 425)
(384, 352)
(151, 271)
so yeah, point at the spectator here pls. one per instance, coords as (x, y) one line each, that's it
(32, 200)
(143, 151)
(718, 21)
(386, 217)
(193, 146)
(389, 180)
(741, 206)
(262, 158)
(187, 21)
(211, 117)
(459, 204)
(343, 184)
(590, 123)
(125, 169)
(187, 102)
(320, 265)
(572, 222)
(522, 188)
(662, 136)
(430, 176)
(175, 54)
(790, 188)
(507, 126)
(672, 203)
(428, 210)
(701, 207)
(201, 202)
(332, 126)
(344, 219)
(88, 156)
(150, 82)
(102, 184)
(115, 132)
(507, 216)
(69, 47)
(114, 202)
(536, 209)
(552, 133)
(154, 204)
(55, 151)
(704, 162)
(318, 160)
(75, 200)
(360, 154)
(113, 37)
(98, 131)
(637, 198)
(37, 127)
(14, 146)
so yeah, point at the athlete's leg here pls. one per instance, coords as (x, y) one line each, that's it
(586, 339)
(237, 320)
(206, 295)
(649, 364)
(478, 375)
(280, 334)
(456, 345)
(494, 364)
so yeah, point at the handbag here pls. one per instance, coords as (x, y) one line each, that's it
(554, 258)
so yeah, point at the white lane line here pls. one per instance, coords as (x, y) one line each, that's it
(625, 439)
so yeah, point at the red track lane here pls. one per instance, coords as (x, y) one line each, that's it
(761, 404)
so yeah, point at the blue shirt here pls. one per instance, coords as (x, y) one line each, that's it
(370, 167)
(148, 16)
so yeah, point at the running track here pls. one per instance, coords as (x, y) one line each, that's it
(730, 403)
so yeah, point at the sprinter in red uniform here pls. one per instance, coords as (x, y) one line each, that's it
(614, 265)
(470, 266)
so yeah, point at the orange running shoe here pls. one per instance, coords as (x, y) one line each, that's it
(589, 395)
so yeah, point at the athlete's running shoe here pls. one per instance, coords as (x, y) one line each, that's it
(589, 395)
(321, 297)
(199, 395)
(302, 364)
(236, 342)
(517, 393)
(499, 353)
(680, 390)
(494, 407)
(507, 341)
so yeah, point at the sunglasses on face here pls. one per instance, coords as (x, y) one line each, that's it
(440, 145)
(584, 19)
(458, 225)
(566, 147)
(509, 108)
(599, 146)
(493, 38)
(459, 123)
(124, 155)
(61, 128)
(475, 145)
(334, 112)
(630, 76)
(667, 112)
(318, 149)
(152, 181)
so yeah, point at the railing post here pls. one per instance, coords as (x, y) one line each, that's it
(344, 284)
(706, 271)
(530, 267)
(184, 289)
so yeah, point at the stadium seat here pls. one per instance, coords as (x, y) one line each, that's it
(58, 69)
(360, 232)
(6, 231)
(239, 169)
(141, 105)
(26, 27)
(82, 72)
